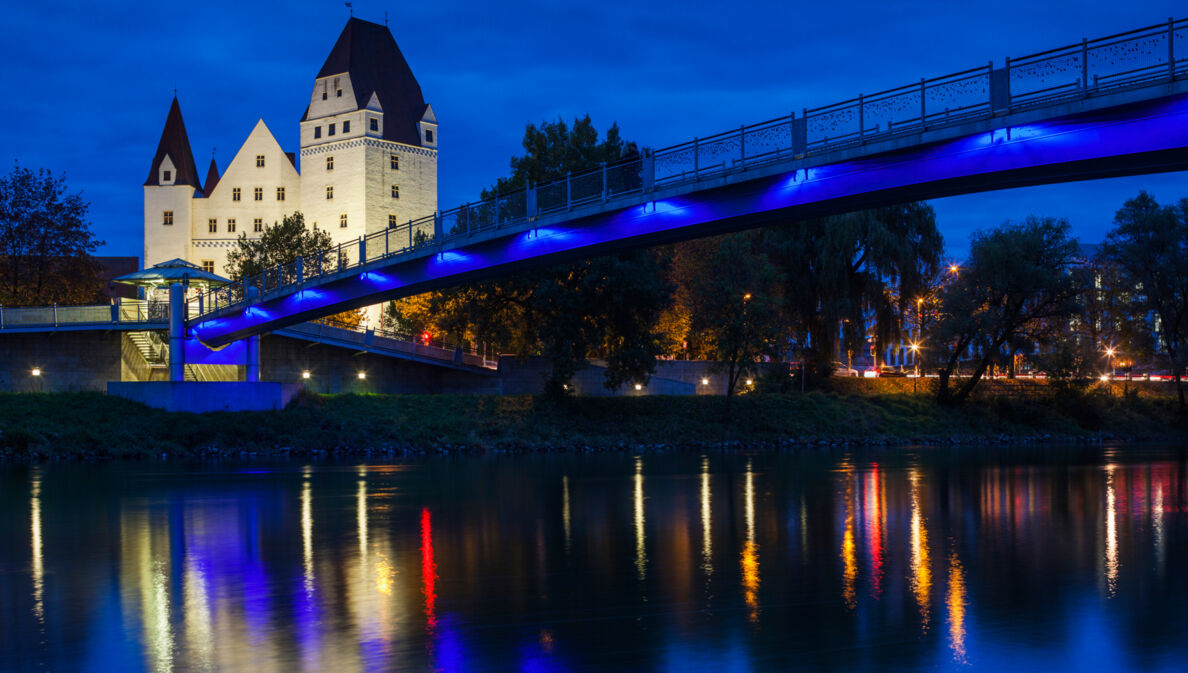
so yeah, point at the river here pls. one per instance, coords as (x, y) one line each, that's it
(1043, 559)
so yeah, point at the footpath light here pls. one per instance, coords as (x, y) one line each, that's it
(750, 382)
(305, 374)
(362, 375)
(36, 371)
(705, 382)
(638, 387)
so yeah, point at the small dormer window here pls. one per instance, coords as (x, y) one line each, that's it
(235, 193)
(317, 131)
(166, 176)
(167, 217)
(374, 124)
(339, 93)
(259, 161)
(346, 127)
(323, 95)
(428, 135)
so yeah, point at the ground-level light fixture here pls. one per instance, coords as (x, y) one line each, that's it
(750, 382)
(36, 371)
(638, 386)
(305, 374)
(1105, 378)
(705, 382)
(362, 375)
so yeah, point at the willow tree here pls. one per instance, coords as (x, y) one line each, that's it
(856, 275)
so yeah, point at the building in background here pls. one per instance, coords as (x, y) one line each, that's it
(368, 160)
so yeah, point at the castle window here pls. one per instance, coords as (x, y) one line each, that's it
(258, 225)
(391, 220)
(259, 193)
(330, 130)
(259, 161)
(394, 162)
(428, 135)
(317, 131)
(208, 265)
(329, 163)
(323, 95)
(167, 217)
(235, 193)
(230, 225)
(339, 93)
(329, 192)
(280, 193)
(342, 221)
(395, 191)
(374, 124)
(346, 126)
(166, 176)
(212, 226)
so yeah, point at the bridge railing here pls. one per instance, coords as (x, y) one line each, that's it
(124, 312)
(1136, 58)
(415, 345)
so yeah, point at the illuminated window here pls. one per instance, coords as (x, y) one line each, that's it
(208, 265)
(329, 163)
(235, 193)
(329, 192)
(259, 193)
(259, 161)
(230, 225)
(330, 130)
(167, 217)
(280, 193)
(374, 124)
(317, 131)
(428, 135)
(394, 162)
(342, 221)
(391, 220)
(258, 224)
(346, 126)
(212, 226)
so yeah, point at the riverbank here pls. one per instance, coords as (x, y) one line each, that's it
(67, 426)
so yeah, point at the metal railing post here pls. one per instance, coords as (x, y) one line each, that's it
(530, 202)
(861, 121)
(742, 144)
(362, 250)
(410, 236)
(437, 237)
(55, 314)
(1, 316)
(648, 171)
(568, 191)
(923, 100)
(299, 267)
(1085, 65)
(604, 195)
(696, 157)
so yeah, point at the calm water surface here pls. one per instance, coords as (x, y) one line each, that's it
(1046, 560)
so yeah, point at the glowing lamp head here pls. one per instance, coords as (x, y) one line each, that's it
(305, 374)
(1110, 352)
(915, 348)
(36, 371)
(747, 296)
(705, 382)
(362, 375)
(750, 382)
(1105, 378)
(638, 386)
(953, 268)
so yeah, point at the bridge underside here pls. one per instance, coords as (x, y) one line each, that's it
(1127, 140)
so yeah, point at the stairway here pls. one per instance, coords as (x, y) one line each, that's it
(151, 347)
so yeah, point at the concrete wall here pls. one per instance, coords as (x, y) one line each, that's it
(67, 360)
(672, 377)
(335, 370)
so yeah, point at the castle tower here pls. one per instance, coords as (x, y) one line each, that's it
(368, 139)
(169, 193)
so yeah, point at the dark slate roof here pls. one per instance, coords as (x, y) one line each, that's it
(212, 178)
(176, 144)
(368, 52)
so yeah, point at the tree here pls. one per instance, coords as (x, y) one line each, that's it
(846, 273)
(601, 307)
(1015, 291)
(1149, 243)
(731, 293)
(280, 244)
(45, 242)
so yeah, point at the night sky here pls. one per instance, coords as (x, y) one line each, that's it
(90, 85)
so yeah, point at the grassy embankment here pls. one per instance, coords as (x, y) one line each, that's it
(95, 425)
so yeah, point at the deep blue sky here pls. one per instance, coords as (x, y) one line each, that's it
(89, 85)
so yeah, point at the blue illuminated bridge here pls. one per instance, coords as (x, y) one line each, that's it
(1100, 108)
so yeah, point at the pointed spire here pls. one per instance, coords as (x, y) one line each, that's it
(176, 144)
(212, 177)
(367, 53)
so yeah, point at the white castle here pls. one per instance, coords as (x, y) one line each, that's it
(368, 160)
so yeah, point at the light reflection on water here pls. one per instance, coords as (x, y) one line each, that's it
(935, 560)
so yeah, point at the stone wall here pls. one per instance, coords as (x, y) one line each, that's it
(67, 361)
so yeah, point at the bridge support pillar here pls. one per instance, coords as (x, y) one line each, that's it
(177, 332)
(253, 359)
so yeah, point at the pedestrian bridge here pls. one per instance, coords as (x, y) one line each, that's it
(1100, 108)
